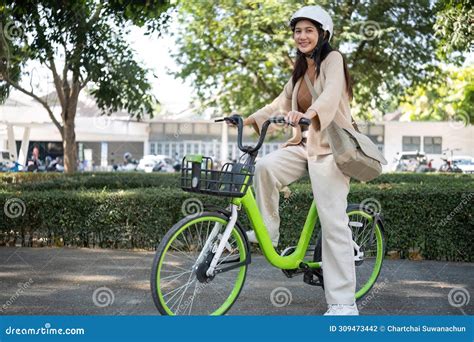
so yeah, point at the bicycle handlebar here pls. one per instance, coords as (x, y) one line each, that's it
(237, 120)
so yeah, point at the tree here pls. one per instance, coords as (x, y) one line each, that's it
(240, 53)
(81, 43)
(449, 96)
(454, 27)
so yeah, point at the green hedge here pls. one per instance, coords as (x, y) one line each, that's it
(101, 180)
(438, 219)
(129, 180)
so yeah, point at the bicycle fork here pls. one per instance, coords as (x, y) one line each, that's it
(223, 243)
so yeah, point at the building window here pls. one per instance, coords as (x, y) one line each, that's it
(80, 147)
(160, 148)
(174, 150)
(104, 147)
(411, 143)
(152, 148)
(432, 145)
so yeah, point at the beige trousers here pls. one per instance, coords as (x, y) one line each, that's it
(330, 189)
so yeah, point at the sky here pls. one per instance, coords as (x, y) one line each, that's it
(173, 94)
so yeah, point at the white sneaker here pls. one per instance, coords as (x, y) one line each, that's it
(342, 310)
(253, 239)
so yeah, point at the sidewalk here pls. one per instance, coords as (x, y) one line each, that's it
(62, 281)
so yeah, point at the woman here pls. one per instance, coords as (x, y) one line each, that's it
(309, 151)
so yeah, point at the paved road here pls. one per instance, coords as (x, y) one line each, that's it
(62, 281)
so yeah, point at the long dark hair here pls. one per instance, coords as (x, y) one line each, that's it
(323, 48)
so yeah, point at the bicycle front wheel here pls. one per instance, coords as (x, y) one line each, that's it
(179, 281)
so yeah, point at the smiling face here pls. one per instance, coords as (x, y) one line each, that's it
(306, 36)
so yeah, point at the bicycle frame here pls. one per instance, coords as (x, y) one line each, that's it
(294, 260)
(291, 261)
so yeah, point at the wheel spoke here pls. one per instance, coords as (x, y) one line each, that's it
(176, 275)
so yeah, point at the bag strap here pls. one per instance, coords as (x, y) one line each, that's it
(315, 96)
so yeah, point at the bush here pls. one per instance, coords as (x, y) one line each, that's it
(28, 181)
(436, 218)
(101, 180)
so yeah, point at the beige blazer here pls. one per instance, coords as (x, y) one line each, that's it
(332, 103)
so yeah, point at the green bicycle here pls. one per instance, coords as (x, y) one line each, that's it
(201, 263)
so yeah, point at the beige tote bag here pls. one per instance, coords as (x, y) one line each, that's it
(355, 154)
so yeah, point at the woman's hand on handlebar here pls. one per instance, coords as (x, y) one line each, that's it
(293, 117)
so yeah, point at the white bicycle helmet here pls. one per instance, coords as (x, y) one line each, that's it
(315, 13)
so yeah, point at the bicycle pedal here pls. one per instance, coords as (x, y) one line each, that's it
(293, 272)
(308, 278)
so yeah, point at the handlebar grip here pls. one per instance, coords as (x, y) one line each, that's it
(282, 120)
(304, 122)
(277, 120)
(233, 118)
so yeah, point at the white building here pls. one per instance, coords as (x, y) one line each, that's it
(102, 141)
(430, 137)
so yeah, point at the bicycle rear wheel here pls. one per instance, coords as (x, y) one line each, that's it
(179, 283)
(370, 241)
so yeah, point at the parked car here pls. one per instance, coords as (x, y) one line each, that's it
(156, 163)
(465, 163)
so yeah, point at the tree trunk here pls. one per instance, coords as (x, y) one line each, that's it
(69, 129)
(69, 146)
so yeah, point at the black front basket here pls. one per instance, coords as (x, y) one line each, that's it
(198, 175)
